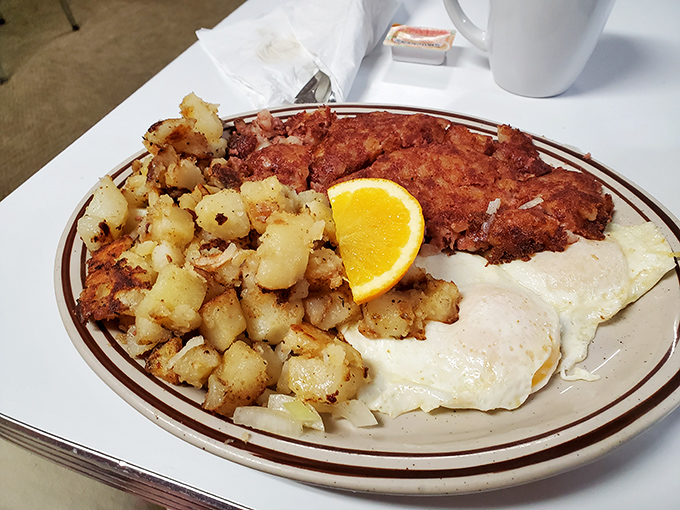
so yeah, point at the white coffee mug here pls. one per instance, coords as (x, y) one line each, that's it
(536, 48)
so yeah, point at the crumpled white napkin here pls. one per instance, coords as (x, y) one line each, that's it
(272, 57)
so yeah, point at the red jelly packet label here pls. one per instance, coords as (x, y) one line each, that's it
(420, 37)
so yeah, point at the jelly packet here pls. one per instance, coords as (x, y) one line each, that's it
(419, 44)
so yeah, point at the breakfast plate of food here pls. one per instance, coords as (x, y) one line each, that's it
(377, 298)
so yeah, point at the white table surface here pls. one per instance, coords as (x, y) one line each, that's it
(624, 109)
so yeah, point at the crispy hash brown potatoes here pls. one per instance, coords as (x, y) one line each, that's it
(217, 257)
(231, 282)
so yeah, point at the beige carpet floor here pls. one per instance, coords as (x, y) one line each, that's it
(61, 82)
(28, 482)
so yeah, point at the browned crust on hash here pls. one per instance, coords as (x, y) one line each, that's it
(353, 143)
(290, 163)
(491, 196)
(108, 276)
(495, 197)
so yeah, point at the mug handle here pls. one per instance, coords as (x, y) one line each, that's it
(470, 31)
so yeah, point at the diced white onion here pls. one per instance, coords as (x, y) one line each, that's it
(276, 401)
(493, 206)
(282, 351)
(356, 412)
(264, 397)
(531, 203)
(298, 410)
(491, 210)
(196, 341)
(217, 261)
(269, 420)
(571, 237)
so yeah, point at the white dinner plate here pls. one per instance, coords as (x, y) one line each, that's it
(565, 425)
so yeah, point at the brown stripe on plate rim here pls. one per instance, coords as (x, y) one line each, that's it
(588, 439)
(390, 453)
(168, 388)
(378, 453)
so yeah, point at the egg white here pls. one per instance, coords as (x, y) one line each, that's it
(592, 281)
(516, 321)
(485, 360)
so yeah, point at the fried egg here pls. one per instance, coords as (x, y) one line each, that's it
(518, 323)
(592, 281)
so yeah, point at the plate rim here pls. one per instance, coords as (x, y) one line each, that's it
(418, 480)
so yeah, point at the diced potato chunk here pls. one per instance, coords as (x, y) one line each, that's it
(195, 366)
(189, 201)
(105, 216)
(403, 311)
(326, 310)
(157, 362)
(262, 198)
(170, 223)
(184, 175)
(324, 369)
(389, 315)
(224, 266)
(165, 253)
(268, 317)
(207, 121)
(183, 137)
(159, 134)
(324, 270)
(223, 320)
(238, 381)
(307, 340)
(136, 188)
(144, 334)
(223, 215)
(174, 300)
(440, 301)
(285, 248)
(320, 208)
(130, 299)
(136, 257)
(328, 379)
(143, 248)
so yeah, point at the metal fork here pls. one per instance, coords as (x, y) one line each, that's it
(316, 90)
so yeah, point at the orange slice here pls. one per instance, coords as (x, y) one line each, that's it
(379, 227)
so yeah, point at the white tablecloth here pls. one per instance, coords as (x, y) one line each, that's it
(624, 109)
